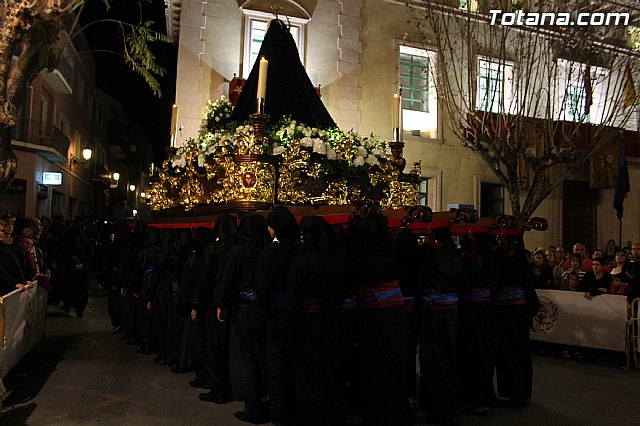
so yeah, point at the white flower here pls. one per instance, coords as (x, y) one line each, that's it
(278, 150)
(217, 118)
(362, 151)
(201, 160)
(179, 162)
(359, 161)
(306, 142)
(322, 133)
(319, 146)
(331, 154)
(372, 160)
(376, 151)
(307, 132)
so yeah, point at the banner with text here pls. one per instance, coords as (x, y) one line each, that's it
(23, 314)
(569, 317)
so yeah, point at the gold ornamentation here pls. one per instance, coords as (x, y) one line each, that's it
(253, 180)
(248, 178)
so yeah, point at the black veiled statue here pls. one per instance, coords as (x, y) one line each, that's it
(289, 89)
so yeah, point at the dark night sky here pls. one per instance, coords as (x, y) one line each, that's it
(144, 109)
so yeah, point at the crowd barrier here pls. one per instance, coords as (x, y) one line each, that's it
(22, 324)
(570, 318)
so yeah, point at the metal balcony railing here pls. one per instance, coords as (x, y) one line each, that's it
(44, 134)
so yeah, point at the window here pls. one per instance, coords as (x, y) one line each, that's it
(423, 192)
(419, 101)
(44, 115)
(491, 199)
(581, 92)
(81, 91)
(495, 81)
(255, 30)
(470, 5)
(634, 37)
(575, 101)
(414, 77)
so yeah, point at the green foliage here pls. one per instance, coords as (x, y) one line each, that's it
(138, 55)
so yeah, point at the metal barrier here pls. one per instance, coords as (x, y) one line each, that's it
(633, 346)
(23, 314)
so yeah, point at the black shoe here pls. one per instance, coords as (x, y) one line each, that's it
(480, 411)
(214, 397)
(179, 370)
(198, 384)
(249, 417)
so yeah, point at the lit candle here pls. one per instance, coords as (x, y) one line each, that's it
(395, 119)
(174, 118)
(262, 78)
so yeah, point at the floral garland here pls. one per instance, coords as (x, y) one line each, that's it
(335, 150)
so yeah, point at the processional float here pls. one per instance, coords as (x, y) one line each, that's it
(279, 145)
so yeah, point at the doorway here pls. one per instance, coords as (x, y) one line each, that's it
(579, 204)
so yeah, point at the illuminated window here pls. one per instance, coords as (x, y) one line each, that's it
(581, 97)
(255, 30)
(495, 80)
(414, 77)
(634, 38)
(423, 192)
(419, 99)
(470, 5)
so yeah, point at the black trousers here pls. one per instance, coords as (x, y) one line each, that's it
(478, 343)
(438, 362)
(514, 367)
(248, 353)
(280, 369)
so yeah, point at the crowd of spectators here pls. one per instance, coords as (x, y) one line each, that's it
(609, 271)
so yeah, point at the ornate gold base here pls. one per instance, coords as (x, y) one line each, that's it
(247, 206)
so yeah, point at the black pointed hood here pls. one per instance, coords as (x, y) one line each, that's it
(289, 89)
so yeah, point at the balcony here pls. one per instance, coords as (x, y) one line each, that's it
(60, 78)
(44, 138)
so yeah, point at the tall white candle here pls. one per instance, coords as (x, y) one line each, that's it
(262, 79)
(174, 118)
(395, 118)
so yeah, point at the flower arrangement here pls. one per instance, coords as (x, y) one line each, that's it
(335, 150)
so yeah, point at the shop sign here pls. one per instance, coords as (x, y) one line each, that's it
(51, 178)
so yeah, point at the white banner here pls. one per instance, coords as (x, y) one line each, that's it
(24, 314)
(569, 317)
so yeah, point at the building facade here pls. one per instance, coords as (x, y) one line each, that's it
(62, 116)
(358, 52)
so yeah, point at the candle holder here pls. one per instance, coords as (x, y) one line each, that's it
(259, 122)
(397, 146)
(397, 134)
(260, 105)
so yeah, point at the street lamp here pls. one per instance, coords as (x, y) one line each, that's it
(143, 194)
(116, 176)
(132, 187)
(86, 154)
